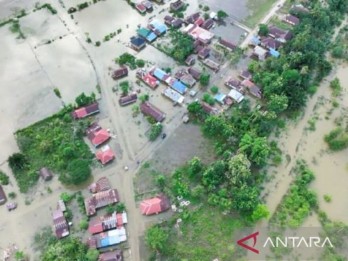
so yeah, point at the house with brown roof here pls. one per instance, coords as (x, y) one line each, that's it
(270, 43)
(61, 227)
(227, 44)
(209, 109)
(105, 155)
(188, 80)
(151, 110)
(291, 19)
(2, 196)
(154, 205)
(234, 84)
(168, 20)
(196, 74)
(45, 174)
(190, 60)
(129, 99)
(100, 199)
(86, 111)
(97, 135)
(177, 23)
(245, 74)
(260, 53)
(279, 34)
(208, 24)
(191, 19)
(115, 255)
(107, 222)
(177, 5)
(119, 73)
(101, 184)
(204, 53)
(252, 88)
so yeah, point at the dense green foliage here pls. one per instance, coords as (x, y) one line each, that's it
(56, 143)
(155, 131)
(336, 87)
(181, 45)
(84, 99)
(4, 179)
(221, 14)
(130, 60)
(298, 202)
(208, 99)
(263, 29)
(156, 238)
(124, 87)
(337, 139)
(204, 79)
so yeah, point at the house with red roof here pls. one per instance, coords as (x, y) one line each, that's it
(154, 205)
(105, 155)
(147, 78)
(97, 135)
(86, 111)
(101, 199)
(101, 184)
(107, 222)
(61, 227)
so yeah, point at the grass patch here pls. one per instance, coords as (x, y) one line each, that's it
(258, 9)
(55, 142)
(279, 23)
(327, 198)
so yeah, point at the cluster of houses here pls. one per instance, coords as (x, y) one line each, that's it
(144, 6)
(265, 46)
(96, 134)
(107, 230)
(60, 224)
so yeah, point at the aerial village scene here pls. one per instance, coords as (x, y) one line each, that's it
(162, 129)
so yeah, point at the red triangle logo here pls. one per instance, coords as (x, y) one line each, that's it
(254, 237)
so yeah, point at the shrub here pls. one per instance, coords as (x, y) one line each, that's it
(337, 139)
(4, 179)
(214, 89)
(327, 198)
(66, 197)
(83, 99)
(84, 224)
(98, 43)
(17, 161)
(140, 63)
(208, 99)
(155, 131)
(78, 172)
(204, 79)
(12, 195)
(124, 87)
(57, 92)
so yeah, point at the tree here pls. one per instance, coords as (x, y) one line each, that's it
(143, 98)
(277, 103)
(140, 63)
(214, 89)
(92, 255)
(124, 87)
(4, 179)
(57, 92)
(263, 30)
(17, 161)
(195, 166)
(20, 256)
(84, 224)
(256, 148)
(238, 170)
(221, 15)
(156, 238)
(245, 199)
(260, 212)
(204, 79)
(208, 99)
(78, 172)
(83, 99)
(214, 175)
(155, 131)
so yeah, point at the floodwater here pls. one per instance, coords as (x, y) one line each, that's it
(234, 8)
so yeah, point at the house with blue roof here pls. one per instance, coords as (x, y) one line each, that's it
(255, 40)
(179, 87)
(160, 74)
(274, 53)
(157, 27)
(146, 34)
(137, 43)
(220, 98)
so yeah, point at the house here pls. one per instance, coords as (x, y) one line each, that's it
(200, 33)
(115, 255)
(177, 23)
(148, 5)
(100, 199)
(105, 155)
(199, 21)
(107, 222)
(61, 227)
(154, 205)
(141, 8)
(229, 45)
(255, 91)
(188, 80)
(137, 43)
(247, 83)
(146, 34)
(220, 98)
(159, 74)
(299, 9)
(192, 18)
(119, 73)
(45, 174)
(208, 24)
(196, 74)
(260, 53)
(168, 20)
(176, 85)
(204, 53)
(190, 60)
(2, 196)
(291, 19)
(177, 5)
(86, 111)
(279, 34)
(129, 99)
(149, 109)
(270, 43)
(157, 27)
(212, 65)
(173, 95)
(101, 184)
(255, 40)
(236, 95)
(96, 135)
(109, 238)
(274, 53)
(234, 84)
(209, 109)
(61, 205)
(245, 74)
(147, 78)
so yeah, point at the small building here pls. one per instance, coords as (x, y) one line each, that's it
(146, 34)
(61, 227)
(208, 24)
(279, 34)
(188, 80)
(149, 109)
(245, 74)
(299, 9)
(270, 43)
(107, 222)
(45, 174)
(255, 40)
(100, 199)
(220, 98)
(199, 21)
(173, 95)
(177, 5)
(177, 23)
(212, 65)
(141, 8)
(120, 73)
(247, 83)
(204, 53)
(157, 27)
(234, 84)
(291, 19)
(96, 135)
(274, 53)
(236, 95)
(191, 19)
(229, 45)
(105, 155)
(200, 33)
(3, 198)
(260, 53)
(101, 184)
(255, 91)
(196, 74)
(168, 20)
(160, 74)
(209, 109)
(115, 255)
(129, 99)
(61, 205)
(109, 238)
(86, 111)
(147, 78)
(154, 205)
(137, 43)
(148, 5)
(176, 85)
(190, 60)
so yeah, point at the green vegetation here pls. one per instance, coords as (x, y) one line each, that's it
(12, 195)
(140, 63)
(124, 87)
(57, 93)
(336, 87)
(84, 224)
(16, 29)
(82, 6)
(222, 15)
(337, 139)
(258, 10)
(327, 198)
(204, 79)
(208, 99)
(92, 255)
(214, 89)
(298, 203)
(97, 43)
(143, 98)
(130, 60)
(339, 46)
(56, 143)
(263, 29)
(156, 238)
(4, 179)
(83, 99)
(49, 7)
(155, 131)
